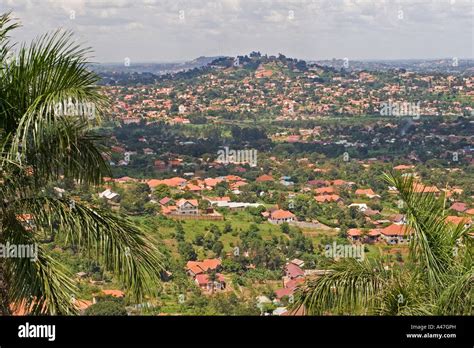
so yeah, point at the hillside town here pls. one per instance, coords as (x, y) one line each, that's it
(254, 228)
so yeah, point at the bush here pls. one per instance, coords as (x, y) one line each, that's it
(106, 308)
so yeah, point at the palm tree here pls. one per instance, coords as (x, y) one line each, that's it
(435, 280)
(40, 144)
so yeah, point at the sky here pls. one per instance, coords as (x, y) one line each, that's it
(180, 30)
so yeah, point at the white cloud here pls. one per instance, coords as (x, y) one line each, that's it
(153, 30)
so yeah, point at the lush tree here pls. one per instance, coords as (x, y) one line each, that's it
(187, 251)
(49, 102)
(106, 308)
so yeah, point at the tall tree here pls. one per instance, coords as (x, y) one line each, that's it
(49, 105)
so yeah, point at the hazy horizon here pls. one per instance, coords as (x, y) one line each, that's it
(153, 31)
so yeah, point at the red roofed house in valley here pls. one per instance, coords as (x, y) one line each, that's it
(280, 216)
(324, 190)
(373, 236)
(293, 271)
(459, 207)
(198, 267)
(187, 207)
(203, 281)
(366, 192)
(327, 198)
(420, 188)
(470, 211)
(354, 234)
(294, 276)
(456, 220)
(396, 234)
(264, 178)
(200, 271)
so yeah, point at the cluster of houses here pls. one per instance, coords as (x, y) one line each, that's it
(347, 94)
(195, 185)
(206, 274)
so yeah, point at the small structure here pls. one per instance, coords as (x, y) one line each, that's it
(280, 216)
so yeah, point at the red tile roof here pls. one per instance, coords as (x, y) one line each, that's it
(198, 267)
(264, 178)
(203, 279)
(353, 232)
(327, 198)
(294, 271)
(182, 201)
(420, 188)
(323, 190)
(459, 207)
(456, 220)
(280, 293)
(367, 192)
(281, 214)
(395, 230)
(374, 233)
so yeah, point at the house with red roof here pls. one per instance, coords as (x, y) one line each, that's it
(459, 207)
(294, 276)
(324, 190)
(293, 271)
(372, 236)
(280, 216)
(328, 198)
(166, 201)
(200, 271)
(204, 282)
(354, 235)
(396, 234)
(264, 178)
(212, 182)
(456, 220)
(194, 268)
(187, 207)
(366, 192)
(420, 188)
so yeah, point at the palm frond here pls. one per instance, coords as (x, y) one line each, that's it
(350, 286)
(7, 24)
(51, 72)
(431, 243)
(110, 239)
(457, 298)
(40, 286)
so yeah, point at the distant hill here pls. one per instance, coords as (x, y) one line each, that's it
(445, 66)
(258, 65)
(152, 68)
